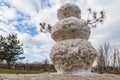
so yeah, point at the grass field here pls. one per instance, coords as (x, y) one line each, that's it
(113, 72)
(6, 71)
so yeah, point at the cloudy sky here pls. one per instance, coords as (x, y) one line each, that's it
(23, 17)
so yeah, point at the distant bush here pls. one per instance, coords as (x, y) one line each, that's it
(31, 66)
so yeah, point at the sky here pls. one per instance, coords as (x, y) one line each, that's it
(22, 17)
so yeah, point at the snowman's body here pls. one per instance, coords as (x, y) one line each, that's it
(72, 53)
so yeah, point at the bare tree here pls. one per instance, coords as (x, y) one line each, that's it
(107, 51)
(104, 51)
(119, 59)
(116, 57)
(101, 59)
(108, 57)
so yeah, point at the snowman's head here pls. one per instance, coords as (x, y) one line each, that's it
(68, 10)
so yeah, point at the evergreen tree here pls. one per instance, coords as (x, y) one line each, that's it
(10, 49)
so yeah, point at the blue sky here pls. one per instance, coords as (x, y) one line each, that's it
(23, 17)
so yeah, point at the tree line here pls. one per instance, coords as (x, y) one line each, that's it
(108, 58)
(35, 66)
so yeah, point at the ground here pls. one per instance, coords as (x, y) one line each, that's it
(55, 76)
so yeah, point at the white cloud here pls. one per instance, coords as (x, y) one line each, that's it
(38, 46)
(8, 13)
(7, 28)
(24, 6)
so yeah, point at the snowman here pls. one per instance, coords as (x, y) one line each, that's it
(72, 53)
